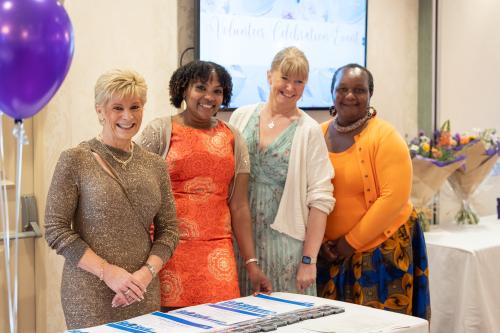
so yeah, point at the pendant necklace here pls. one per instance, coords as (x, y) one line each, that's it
(272, 124)
(122, 163)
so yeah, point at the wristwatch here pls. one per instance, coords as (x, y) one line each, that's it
(308, 260)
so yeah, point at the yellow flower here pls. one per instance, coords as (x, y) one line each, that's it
(426, 147)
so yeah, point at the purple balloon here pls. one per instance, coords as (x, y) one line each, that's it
(36, 48)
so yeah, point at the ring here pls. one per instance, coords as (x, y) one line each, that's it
(125, 293)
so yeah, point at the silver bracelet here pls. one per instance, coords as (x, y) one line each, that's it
(150, 268)
(255, 260)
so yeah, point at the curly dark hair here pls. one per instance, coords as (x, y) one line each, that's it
(198, 70)
(350, 66)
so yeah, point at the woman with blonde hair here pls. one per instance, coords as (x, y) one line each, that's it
(290, 179)
(105, 194)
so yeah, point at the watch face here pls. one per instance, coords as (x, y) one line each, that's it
(306, 260)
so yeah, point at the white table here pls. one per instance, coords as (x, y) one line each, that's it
(360, 316)
(464, 277)
(355, 319)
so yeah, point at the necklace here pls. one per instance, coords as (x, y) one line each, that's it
(271, 124)
(121, 162)
(352, 127)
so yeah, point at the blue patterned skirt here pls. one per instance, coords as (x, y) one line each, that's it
(394, 276)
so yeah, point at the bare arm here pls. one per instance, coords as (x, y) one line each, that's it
(316, 224)
(242, 228)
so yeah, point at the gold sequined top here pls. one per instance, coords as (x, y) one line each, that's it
(87, 207)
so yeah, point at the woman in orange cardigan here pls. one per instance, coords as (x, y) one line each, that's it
(374, 251)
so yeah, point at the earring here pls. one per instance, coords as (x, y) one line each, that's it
(221, 108)
(101, 120)
(372, 113)
(332, 110)
(183, 105)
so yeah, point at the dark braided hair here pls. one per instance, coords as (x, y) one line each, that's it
(195, 71)
(350, 66)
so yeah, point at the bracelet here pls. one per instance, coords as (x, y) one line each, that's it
(101, 270)
(249, 261)
(151, 269)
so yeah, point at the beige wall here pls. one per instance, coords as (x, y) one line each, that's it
(143, 35)
(26, 283)
(392, 58)
(26, 287)
(469, 63)
(468, 72)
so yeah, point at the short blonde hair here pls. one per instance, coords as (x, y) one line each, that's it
(120, 83)
(291, 61)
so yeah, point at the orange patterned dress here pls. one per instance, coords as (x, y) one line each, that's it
(203, 267)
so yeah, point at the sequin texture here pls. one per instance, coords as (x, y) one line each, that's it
(87, 207)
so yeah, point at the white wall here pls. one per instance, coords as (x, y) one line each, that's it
(468, 72)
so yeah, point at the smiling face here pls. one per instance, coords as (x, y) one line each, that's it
(121, 118)
(203, 100)
(286, 90)
(351, 95)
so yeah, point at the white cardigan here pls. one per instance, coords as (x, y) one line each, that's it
(309, 177)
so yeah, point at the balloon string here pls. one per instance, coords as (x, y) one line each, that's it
(20, 135)
(6, 227)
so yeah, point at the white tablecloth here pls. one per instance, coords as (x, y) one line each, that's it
(464, 277)
(355, 319)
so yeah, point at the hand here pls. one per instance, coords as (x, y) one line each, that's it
(123, 283)
(144, 276)
(343, 248)
(327, 251)
(260, 282)
(306, 275)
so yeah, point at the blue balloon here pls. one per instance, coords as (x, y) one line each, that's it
(36, 49)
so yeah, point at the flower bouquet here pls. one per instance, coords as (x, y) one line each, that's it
(434, 160)
(481, 151)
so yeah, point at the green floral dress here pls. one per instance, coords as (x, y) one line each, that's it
(279, 255)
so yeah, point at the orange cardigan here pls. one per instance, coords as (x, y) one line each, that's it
(385, 164)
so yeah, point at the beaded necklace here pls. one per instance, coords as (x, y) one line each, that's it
(357, 124)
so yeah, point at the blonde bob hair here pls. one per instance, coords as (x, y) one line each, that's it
(120, 83)
(291, 61)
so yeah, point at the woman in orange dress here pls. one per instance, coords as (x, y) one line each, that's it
(209, 171)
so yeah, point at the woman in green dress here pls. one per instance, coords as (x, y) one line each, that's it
(290, 180)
